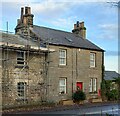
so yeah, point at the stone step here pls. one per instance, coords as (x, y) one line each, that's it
(96, 100)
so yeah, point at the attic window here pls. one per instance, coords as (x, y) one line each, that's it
(70, 40)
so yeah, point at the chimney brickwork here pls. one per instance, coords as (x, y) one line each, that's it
(25, 21)
(80, 29)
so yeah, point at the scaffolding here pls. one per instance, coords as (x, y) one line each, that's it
(9, 74)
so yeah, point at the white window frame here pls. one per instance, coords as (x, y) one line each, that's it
(62, 57)
(21, 89)
(91, 85)
(92, 59)
(63, 87)
(95, 85)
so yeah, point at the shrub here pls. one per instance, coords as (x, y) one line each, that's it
(79, 96)
(113, 94)
(108, 91)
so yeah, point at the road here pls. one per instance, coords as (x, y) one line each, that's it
(97, 110)
(91, 110)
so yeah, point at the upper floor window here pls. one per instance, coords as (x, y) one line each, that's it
(62, 57)
(62, 85)
(21, 58)
(92, 59)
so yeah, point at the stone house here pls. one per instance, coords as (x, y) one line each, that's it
(49, 64)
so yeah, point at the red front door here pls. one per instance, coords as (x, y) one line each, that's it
(79, 85)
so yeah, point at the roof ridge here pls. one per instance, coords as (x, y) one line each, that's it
(53, 29)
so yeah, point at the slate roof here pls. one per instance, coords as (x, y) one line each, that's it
(14, 39)
(18, 42)
(62, 38)
(110, 75)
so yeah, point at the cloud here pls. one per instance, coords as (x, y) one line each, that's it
(48, 7)
(64, 23)
(109, 26)
(108, 31)
(112, 53)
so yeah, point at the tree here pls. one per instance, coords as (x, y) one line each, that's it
(108, 91)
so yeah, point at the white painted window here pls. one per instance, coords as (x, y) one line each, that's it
(62, 57)
(21, 58)
(92, 59)
(95, 85)
(62, 85)
(91, 85)
(21, 89)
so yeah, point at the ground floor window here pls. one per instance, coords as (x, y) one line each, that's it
(21, 89)
(93, 85)
(62, 85)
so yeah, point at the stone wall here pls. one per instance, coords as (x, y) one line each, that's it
(77, 70)
(42, 78)
(33, 75)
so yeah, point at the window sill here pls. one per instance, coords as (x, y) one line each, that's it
(61, 94)
(62, 66)
(22, 66)
(21, 99)
(92, 92)
(92, 66)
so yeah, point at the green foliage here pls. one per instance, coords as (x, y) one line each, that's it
(108, 92)
(113, 94)
(103, 88)
(79, 96)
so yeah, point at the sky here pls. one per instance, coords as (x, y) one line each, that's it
(100, 18)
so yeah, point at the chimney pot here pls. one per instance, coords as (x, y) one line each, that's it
(77, 23)
(22, 13)
(27, 10)
(80, 29)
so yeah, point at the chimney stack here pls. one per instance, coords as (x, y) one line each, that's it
(22, 13)
(26, 20)
(80, 29)
(27, 10)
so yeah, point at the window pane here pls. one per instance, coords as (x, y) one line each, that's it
(90, 86)
(20, 54)
(21, 89)
(92, 59)
(95, 84)
(62, 82)
(62, 57)
(20, 58)
(62, 85)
